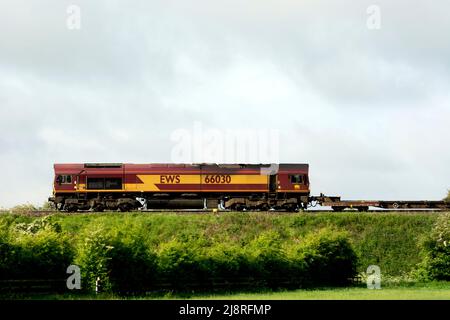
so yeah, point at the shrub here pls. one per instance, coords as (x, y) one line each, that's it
(42, 255)
(325, 258)
(45, 223)
(50, 206)
(447, 198)
(182, 263)
(121, 261)
(267, 258)
(5, 252)
(227, 261)
(23, 208)
(132, 264)
(436, 251)
(93, 257)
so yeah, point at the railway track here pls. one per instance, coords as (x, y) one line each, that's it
(209, 211)
(239, 187)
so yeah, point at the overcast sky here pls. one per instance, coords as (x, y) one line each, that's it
(367, 105)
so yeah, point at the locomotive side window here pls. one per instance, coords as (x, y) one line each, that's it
(95, 183)
(104, 183)
(113, 183)
(296, 178)
(64, 179)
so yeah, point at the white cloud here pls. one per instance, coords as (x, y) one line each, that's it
(367, 109)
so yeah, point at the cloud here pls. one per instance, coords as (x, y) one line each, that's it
(368, 109)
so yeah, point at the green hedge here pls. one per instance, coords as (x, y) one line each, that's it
(389, 240)
(35, 251)
(122, 262)
(329, 258)
(139, 251)
(126, 261)
(325, 258)
(436, 251)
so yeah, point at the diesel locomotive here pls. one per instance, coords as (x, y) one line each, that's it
(126, 187)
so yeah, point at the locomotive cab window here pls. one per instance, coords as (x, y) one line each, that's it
(64, 179)
(296, 178)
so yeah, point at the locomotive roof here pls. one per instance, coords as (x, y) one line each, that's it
(77, 168)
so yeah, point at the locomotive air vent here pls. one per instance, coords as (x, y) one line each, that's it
(103, 165)
(229, 166)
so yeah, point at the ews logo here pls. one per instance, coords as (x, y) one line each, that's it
(169, 179)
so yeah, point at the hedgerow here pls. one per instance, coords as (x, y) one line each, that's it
(436, 251)
(140, 252)
(34, 251)
(327, 257)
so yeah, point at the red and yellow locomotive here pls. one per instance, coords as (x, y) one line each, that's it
(125, 187)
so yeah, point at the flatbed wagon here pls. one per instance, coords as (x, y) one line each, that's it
(363, 205)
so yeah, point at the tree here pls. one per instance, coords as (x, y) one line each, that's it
(48, 206)
(23, 208)
(447, 198)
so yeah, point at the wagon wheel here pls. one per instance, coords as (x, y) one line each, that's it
(338, 209)
(363, 209)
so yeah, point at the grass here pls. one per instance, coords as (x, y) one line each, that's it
(394, 293)
(421, 291)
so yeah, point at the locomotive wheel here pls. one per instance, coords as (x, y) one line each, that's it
(99, 208)
(291, 208)
(264, 207)
(124, 207)
(71, 208)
